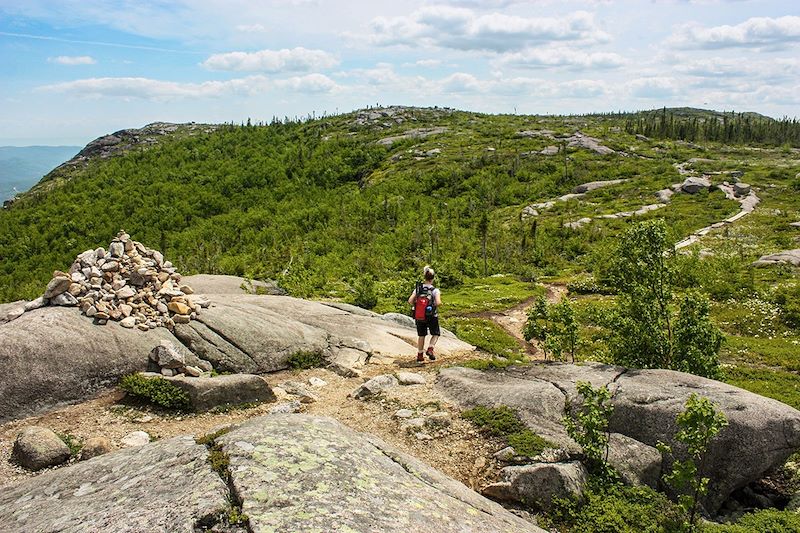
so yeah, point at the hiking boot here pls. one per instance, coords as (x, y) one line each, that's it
(420, 359)
(429, 352)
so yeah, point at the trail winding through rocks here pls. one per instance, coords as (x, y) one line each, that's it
(513, 320)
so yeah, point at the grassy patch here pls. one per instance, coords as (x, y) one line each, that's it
(777, 384)
(486, 335)
(156, 390)
(778, 351)
(487, 294)
(504, 422)
(306, 359)
(75, 444)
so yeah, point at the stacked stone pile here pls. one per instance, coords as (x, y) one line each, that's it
(129, 283)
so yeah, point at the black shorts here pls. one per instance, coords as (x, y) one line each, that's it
(431, 324)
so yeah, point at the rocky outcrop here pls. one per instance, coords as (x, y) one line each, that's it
(165, 486)
(790, 257)
(323, 476)
(594, 185)
(287, 472)
(416, 133)
(761, 433)
(694, 185)
(53, 355)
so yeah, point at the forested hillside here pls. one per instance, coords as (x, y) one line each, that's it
(321, 203)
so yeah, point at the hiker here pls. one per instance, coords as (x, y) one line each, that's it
(425, 302)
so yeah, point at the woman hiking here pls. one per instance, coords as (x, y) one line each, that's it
(425, 302)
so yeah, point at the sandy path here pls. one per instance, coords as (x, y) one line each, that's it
(459, 450)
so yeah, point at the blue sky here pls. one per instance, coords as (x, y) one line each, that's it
(73, 70)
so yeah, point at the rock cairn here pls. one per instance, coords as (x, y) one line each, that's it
(129, 283)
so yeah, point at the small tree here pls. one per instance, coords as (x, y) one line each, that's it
(647, 330)
(365, 293)
(588, 426)
(698, 424)
(553, 325)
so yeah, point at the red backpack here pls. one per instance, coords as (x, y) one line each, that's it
(424, 305)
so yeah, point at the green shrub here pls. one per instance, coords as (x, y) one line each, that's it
(306, 359)
(365, 295)
(504, 422)
(766, 521)
(616, 509)
(157, 390)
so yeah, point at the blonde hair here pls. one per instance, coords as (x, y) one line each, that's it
(428, 273)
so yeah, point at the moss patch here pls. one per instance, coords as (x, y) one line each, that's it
(156, 390)
(306, 359)
(503, 422)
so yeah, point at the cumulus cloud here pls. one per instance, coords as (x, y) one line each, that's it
(729, 68)
(310, 83)
(656, 87)
(544, 58)
(757, 32)
(285, 60)
(465, 83)
(466, 30)
(72, 61)
(150, 89)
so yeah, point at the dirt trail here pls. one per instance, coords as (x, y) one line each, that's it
(459, 450)
(513, 320)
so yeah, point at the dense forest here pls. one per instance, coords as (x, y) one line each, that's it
(730, 128)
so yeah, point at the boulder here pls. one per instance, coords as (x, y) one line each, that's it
(665, 195)
(164, 486)
(741, 189)
(761, 433)
(228, 389)
(95, 446)
(135, 438)
(38, 447)
(594, 185)
(694, 185)
(539, 484)
(374, 386)
(323, 476)
(636, 463)
(410, 378)
(791, 257)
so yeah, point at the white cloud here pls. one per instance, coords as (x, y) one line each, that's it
(285, 60)
(310, 83)
(656, 87)
(561, 57)
(251, 28)
(757, 32)
(464, 29)
(462, 82)
(736, 68)
(428, 63)
(72, 61)
(150, 89)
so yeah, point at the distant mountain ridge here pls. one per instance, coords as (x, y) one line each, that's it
(22, 166)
